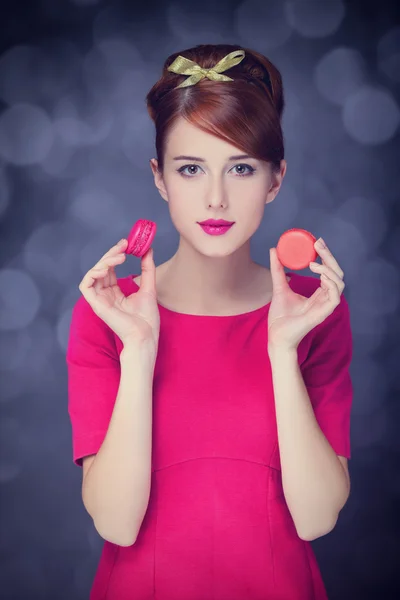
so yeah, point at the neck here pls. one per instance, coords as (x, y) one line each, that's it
(210, 282)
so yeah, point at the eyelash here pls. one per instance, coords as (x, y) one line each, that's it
(251, 172)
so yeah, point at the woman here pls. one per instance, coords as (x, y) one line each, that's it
(210, 397)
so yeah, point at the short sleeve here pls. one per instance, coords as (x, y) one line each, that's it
(93, 379)
(326, 373)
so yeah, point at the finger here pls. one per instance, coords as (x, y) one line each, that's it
(148, 275)
(110, 261)
(278, 275)
(113, 277)
(328, 259)
(99, 283)
(89, 280)
(115, 250)
(326, 295)
(331, 289)
(109, 265)
(329, 272)
(98, 272)
(105, 266)
(103, 282)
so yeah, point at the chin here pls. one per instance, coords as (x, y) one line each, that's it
(217, 253)
(210, 246)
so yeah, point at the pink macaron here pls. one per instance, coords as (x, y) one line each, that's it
(295, 249)
(141, 237)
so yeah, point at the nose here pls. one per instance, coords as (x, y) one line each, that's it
(217, 195)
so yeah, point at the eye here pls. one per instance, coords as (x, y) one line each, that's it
(182, 169)
(250, 171)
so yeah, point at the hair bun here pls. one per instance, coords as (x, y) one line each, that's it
(248, 116)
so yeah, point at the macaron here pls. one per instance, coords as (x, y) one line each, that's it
(295, 249)
(141, 237)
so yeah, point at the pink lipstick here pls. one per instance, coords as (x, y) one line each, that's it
(215, 229)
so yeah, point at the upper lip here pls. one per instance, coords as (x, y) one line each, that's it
(216, 222)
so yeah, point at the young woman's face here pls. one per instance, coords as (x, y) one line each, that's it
(216, 187)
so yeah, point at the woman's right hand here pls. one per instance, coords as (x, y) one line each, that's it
(134, 318)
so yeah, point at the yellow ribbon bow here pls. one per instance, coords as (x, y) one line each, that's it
(184, 66)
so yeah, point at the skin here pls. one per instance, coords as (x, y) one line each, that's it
(213, 274)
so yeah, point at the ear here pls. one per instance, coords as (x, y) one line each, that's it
(276, 182)
(158, 179)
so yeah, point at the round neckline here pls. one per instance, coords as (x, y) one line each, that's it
(180, 314)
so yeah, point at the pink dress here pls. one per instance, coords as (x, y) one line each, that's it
(217, 525)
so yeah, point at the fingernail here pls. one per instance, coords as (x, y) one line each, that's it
(120, 241)
(321, 243)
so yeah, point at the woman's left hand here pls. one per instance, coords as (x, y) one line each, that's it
(291, 316)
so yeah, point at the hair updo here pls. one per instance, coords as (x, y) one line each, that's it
(246, 112)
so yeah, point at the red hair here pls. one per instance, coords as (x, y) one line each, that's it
(246, 112)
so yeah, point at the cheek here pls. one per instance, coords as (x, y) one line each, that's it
(257, 211)
(250, 212)
(183, 212)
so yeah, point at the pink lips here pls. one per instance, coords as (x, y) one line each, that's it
(215, 229)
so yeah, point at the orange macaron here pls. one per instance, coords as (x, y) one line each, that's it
(295, 249)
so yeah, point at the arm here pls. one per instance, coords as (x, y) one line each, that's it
(116, 487)
(315, 482)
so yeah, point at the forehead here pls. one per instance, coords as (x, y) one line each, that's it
(185, 138)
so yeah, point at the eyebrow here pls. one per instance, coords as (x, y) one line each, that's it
(198, 159)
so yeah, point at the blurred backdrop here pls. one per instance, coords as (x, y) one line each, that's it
(75, 144)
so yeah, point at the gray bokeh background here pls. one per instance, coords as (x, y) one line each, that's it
(75, 144)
